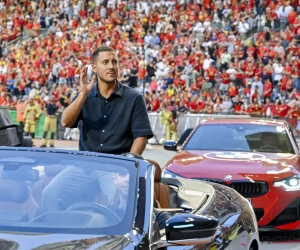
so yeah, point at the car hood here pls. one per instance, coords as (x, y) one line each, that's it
(240, 165)
(21, 241)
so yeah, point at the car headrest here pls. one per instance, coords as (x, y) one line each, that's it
(21, 174)
(13, 191)
(269, 134)
(133, 155)
(53, 170)
(157, 177)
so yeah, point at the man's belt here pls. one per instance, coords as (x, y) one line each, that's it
(51, 116)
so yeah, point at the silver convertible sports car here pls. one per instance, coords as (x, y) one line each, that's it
(55, 199)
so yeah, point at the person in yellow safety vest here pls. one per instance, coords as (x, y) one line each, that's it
(31, 114)
(166, 118)
(20, 108)
(51, 110)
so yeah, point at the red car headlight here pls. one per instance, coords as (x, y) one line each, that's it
(289, 184)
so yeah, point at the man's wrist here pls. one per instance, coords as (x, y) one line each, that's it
(84, 94)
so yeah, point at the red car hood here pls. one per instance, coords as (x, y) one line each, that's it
(240, 165)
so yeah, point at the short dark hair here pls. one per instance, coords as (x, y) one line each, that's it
(102, 48)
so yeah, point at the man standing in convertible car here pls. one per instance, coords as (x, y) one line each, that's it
(113, 120)
(114, 117)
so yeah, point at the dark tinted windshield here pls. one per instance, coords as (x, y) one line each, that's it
(56, 193)
(240, 137)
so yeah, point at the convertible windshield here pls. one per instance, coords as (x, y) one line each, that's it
(241, 137)
(57, 192)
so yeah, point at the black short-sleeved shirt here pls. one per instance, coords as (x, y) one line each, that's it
(111, 125)
(51, 108)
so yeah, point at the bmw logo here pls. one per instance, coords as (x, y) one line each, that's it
(228, 177)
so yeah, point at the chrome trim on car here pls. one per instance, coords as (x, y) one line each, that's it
(194, 241)
(151, 203)
(208, 201)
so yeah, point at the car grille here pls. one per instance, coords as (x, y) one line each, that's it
(250, 189)
(245, 188)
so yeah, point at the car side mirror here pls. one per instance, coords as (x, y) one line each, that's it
(170, 145)
(191, 229)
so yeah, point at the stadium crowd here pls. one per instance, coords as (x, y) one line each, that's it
(201, 56)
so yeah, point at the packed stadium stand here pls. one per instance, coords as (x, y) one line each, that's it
(202, 56)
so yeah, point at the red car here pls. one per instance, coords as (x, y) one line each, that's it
(258, 158)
